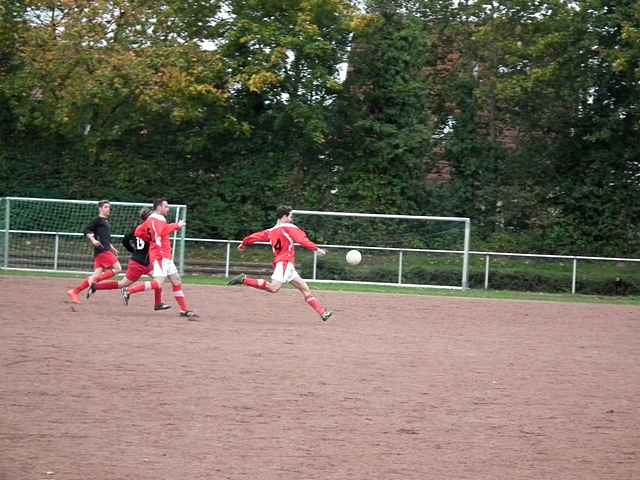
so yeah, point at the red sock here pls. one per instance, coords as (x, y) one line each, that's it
(105, 275)
(141, 287)
(179, 294)
(112, 285)
(82, 286)
(256, 283)
(158, 295)
(315, 304)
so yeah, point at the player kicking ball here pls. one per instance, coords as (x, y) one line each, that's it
(282, 237)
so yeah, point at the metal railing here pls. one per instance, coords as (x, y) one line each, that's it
(401, 251)
(488, 256)
(314, 275)
(573, 258)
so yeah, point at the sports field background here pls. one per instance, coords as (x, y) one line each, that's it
(392, 387)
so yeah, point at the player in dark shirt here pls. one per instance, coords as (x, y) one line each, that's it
(138, 265)
(99, 234)
(105, 257)
(138, 248)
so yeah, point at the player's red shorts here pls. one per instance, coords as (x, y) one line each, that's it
(135, 270)
(105, 260)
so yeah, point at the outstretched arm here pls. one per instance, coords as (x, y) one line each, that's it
(172, 227)
(261, 236)
(300, 237)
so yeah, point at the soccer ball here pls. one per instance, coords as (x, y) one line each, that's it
(354, 257)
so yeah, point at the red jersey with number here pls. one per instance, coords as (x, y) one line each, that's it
(157, 231)
(282, 238)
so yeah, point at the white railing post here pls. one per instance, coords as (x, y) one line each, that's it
(573, 277)
(6, 234)
(183, 235)
(315, 265)
(400, 267)
(56, 249)
(227, 260)
(486, 271)
(465, 255)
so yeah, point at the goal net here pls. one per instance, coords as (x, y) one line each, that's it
(397, 250)
(46, 235)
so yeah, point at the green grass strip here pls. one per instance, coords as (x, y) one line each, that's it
(373, 289)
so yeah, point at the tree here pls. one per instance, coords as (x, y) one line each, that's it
(381, 147)
(544, 107)
(283, 62)
(171, 97)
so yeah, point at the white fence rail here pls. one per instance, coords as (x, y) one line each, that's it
(53, 261)
(401, 251)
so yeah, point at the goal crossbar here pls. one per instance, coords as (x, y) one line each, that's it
(86, 202)
(381, 215)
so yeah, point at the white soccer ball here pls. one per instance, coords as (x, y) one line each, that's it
(354, 257)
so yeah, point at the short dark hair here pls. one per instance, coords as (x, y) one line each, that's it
(158, 201)
(282, 211)
(144, 213)
(103, 202)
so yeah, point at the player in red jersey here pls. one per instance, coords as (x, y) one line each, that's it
(282, 237)
(105, 262)
(138, 266)
(157, 232)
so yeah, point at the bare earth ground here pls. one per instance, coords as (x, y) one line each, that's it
(392, 387)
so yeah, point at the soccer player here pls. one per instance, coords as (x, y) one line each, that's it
(282, 237)
(138, 266)
(105, 262)
(157, 232)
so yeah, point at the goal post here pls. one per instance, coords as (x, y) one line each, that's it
(46, 235)
(398, 250)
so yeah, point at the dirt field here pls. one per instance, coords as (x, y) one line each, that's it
(392, 387)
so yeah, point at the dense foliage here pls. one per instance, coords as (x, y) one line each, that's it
(236, 106)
